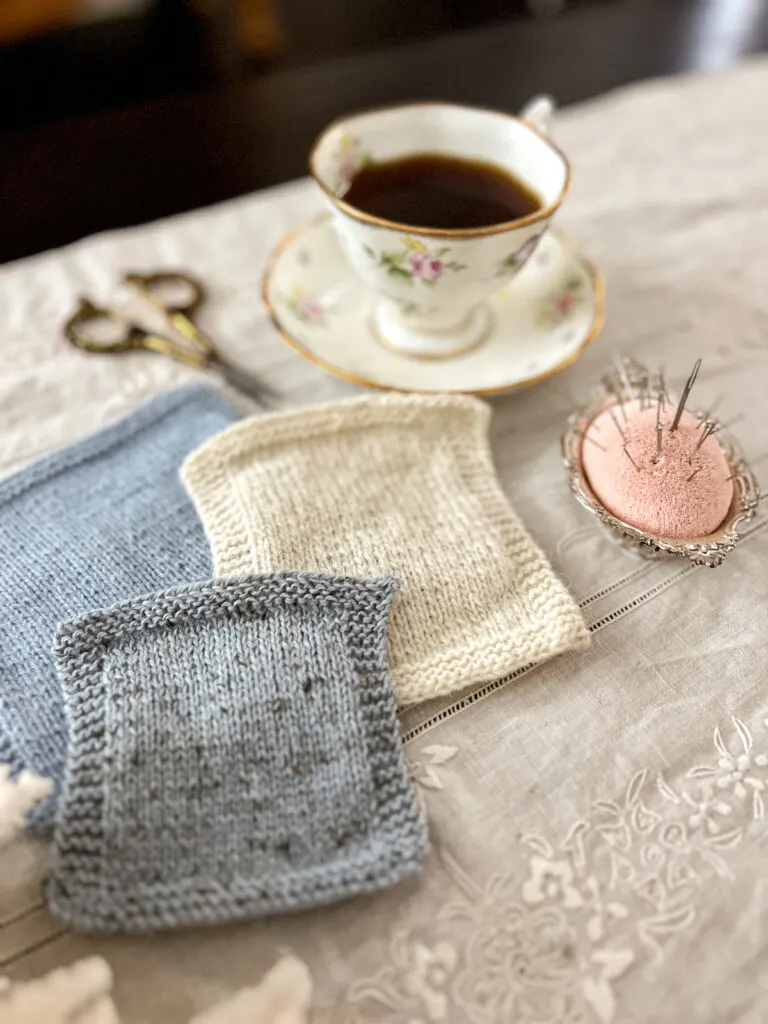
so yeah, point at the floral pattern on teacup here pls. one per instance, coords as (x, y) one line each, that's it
(349, 159)
(416, 262)
(511, 263)
(305, 308)
(558, 306)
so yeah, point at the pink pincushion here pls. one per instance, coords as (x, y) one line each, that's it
(659, 496)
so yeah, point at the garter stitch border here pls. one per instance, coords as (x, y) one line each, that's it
(34, 736)
(81, 891)
(547, 620)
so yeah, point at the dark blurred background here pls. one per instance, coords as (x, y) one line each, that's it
(118, 111)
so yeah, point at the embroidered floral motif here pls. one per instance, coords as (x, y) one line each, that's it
(424, 771)
(415, 262)
(742, 773)
(707, 809)
(551, 880)
(551, 946)
(515, 959)
(428, 978)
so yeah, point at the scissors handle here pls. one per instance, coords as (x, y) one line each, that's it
(155, 288)
(158, 289)
(82, 331)
(80, 326)
(157, 343)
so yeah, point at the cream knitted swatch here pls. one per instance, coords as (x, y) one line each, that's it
(397, 484)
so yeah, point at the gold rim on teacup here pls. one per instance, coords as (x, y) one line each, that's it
(492, 229)
(462, 267)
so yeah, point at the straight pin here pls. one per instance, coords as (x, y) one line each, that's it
(617, 425)
(618, 362)
(719, 426)
(624, 449)
(707, 432)
(708, 414)
(659, 427)
(684, 398)
(610, 385)
(663, 387)
(586, 437)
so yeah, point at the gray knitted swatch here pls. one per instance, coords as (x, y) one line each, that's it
(234, 752)
(100, 521)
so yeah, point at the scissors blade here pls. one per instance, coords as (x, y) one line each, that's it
(249, 385)
(179, 315)
(189, 329)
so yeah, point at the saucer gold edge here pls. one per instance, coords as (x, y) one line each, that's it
(598, 321)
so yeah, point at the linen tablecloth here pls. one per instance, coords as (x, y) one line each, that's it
(599, 826)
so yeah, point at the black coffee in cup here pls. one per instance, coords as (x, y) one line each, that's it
(445, 192)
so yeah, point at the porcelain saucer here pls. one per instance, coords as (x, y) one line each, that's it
(539, 323)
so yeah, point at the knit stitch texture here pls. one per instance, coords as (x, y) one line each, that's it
(234, 752)
(402, 485)
(98, 522)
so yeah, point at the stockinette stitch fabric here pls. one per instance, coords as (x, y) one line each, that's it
(400, 484)
(100, 521)
(234, 752)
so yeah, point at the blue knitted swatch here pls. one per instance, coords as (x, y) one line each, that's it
(98, 522)
(234, 752)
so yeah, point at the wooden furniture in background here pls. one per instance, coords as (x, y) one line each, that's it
(61, 181)
(20, 19)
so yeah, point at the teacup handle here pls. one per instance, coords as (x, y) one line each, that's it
(539, 112)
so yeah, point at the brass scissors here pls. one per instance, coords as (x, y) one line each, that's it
(175, 295)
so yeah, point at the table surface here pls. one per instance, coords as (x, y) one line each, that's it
(73, 178)
(598, 823)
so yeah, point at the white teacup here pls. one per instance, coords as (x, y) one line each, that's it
(432, 283)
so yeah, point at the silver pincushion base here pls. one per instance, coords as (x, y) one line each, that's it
(631, 380)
